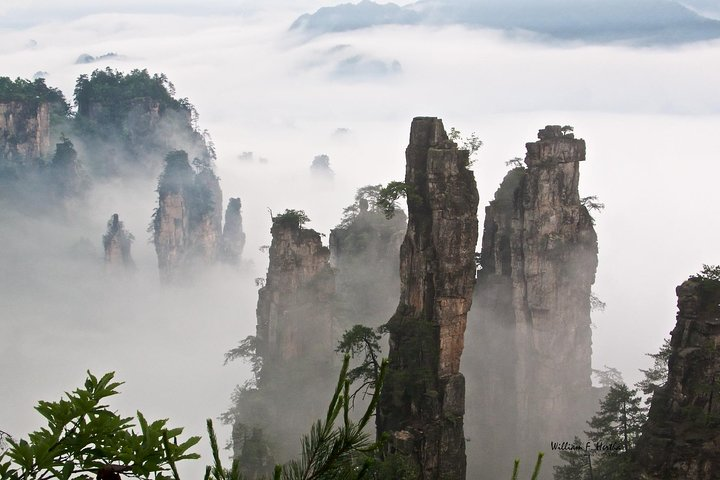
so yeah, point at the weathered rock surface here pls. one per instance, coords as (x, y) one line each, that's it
(529, 337)
(187, 222)
(294, 310)
(206, 217)
(681, 439)
(233, 235)
(117, 243)
(295, 340)
(422, 402)
(134, 134)
(24, 134)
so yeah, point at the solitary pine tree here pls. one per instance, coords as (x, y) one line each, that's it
(615, 430)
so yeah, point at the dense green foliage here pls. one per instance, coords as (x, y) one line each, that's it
(366, 200)
(388, 196)
(614, 432)
(617, 426)
(32, 93)
(708, 272)
(116, 91)
(291, 217)
(83, 436)
(124, 124)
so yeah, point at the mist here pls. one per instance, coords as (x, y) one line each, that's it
(649, 116)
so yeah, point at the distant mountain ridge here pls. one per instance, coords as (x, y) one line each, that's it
(639, 22)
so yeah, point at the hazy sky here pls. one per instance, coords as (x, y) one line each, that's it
(650, 117)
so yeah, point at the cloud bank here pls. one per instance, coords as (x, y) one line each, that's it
(639, 22)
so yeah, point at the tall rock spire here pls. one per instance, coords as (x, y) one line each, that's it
(422, 401)
(529, 333)
(187, 225)
(295, 346)
(233, 236)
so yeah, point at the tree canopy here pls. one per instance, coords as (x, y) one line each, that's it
(116, 91)
(33, 92)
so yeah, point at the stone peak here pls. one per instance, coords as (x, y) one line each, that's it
(427, 131)
(555, 131)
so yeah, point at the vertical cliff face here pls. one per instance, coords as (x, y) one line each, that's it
(422, 402)
(295, 339)
(681, 437)
(24, 133)
(187, 222)
(134, 120)
(233, 236)
(117, 243)
(530, 328)
(294, 307)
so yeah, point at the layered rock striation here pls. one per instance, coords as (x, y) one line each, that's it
(24, 134)
(187, 223)
(682, 436)
(529, 334)
(423, 399)
(294, 345)
(294, 310)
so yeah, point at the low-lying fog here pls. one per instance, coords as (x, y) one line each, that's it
(650, 118)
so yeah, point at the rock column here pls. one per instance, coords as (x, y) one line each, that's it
(531, 337)
(422, 402)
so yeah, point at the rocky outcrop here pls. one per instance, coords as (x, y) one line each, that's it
(134, 120)
(295, 342)
(529, 331)
(24, 134)
(187, 223)
(365, 252)
(233, 236)
(422, 402)
(681, 440)
(294, 313)
(117, 243)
